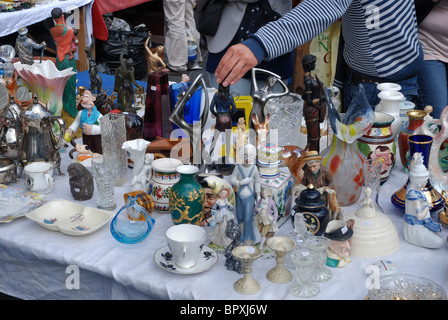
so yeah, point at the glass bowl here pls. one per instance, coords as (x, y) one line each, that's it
(406, 287)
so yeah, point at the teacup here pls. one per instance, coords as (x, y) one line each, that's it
(39, 177)
(185, 242)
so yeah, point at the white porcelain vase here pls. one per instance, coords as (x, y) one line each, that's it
(390, 104)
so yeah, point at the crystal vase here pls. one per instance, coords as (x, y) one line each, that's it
(372, 177)
(113, 136)
(303, 286)
(104, 174)
(318, 246)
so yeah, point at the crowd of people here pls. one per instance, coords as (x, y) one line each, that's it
(402, 41)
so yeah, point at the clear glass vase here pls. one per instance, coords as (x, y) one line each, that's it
(318, 246)
(104, 173)
(113, 135)
(303, 286)
(372, 178)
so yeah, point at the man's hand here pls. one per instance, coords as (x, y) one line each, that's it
(238, 60)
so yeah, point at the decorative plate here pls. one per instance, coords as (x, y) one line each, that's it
(164, 259)
(70, 218)
(15, 202)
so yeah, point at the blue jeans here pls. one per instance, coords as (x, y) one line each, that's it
(409, 89)
(433, 86)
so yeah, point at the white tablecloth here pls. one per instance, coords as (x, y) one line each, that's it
(11, 22)
(33, 261)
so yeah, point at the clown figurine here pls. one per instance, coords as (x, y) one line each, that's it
(88, 119)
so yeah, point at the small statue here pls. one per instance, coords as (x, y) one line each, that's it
(222, 107)
(84, 153)
(320, 177)
(124, 81)
(340, 233)
(419, 228)
(233, 231)
(266, 215)
(81, 182)
(222, 212)
(96, 82)
(314, 109)
(66, 42)
(25, 45)
(88, 119)
(261, 129)
(241, 139)
(155, 62)
(245, 176)
(142, 180)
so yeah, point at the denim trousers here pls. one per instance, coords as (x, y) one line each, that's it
(409, 89)
(433, 86)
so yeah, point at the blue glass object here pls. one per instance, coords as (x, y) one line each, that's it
(128, 230)
(192, 110)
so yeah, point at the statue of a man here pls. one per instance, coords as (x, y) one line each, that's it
(25, 46)
(314, 109)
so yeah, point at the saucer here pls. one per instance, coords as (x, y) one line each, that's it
(164, 260)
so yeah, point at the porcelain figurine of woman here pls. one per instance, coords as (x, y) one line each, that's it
(222, 212)
(419, 228)
(266, 215)
(246, 178)
(66, 42)
(88, 120)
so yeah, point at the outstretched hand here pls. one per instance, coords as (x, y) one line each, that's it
(237, 61)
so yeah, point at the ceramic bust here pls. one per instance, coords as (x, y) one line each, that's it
(88, 120)
(266, 215)
(246, 178)
(419, 228)
(222, 212)
(340, 233)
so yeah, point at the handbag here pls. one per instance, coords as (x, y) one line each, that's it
(207, 15)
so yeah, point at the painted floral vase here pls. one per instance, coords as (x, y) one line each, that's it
(415, 121)
(164, 176)
(378, 144)
(186, 199)
(343, 157)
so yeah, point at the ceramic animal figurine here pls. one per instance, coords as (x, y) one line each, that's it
(245, 176)
(88, 120)
(261, 128)
(419, 228)
(266, 215)
(340, 233)
(84, 153)
(292, 158)
(81, 182)
(233, 231)
(314, 109)
(320, 177)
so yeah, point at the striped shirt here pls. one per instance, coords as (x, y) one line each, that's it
(380, 35)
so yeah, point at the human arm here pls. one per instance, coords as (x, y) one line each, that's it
(295, 28)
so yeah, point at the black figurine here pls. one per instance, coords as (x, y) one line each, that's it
(81, 182)
(233, 231)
